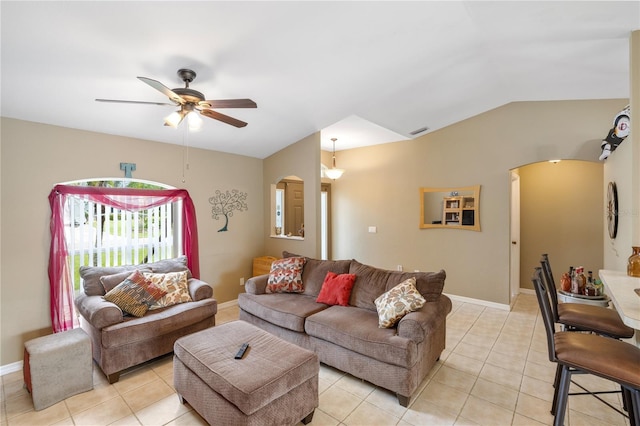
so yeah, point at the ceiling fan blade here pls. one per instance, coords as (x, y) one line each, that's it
(164, 89)
(232, 103)
(133, 102)
(224, 118)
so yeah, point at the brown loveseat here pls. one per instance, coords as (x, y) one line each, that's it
(348, 337)
(121, 341)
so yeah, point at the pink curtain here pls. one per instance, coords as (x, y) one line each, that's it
(62, 315)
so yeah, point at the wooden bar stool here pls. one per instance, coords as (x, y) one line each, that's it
(582, 353)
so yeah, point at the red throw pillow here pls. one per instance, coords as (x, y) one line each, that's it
(336, 289)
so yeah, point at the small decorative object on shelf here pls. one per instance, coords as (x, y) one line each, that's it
(633, 264)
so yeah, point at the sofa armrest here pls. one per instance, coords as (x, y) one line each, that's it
(199, 290)
(257, 284)
(416, 325)
(97, 311)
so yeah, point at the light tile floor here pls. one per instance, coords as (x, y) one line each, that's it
(495, 371)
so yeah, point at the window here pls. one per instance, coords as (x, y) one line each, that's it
(112, 223)
(102, 235)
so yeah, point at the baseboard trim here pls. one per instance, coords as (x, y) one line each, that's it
(486, 303)
(10, 368)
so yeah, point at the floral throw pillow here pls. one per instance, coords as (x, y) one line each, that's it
(336, 289)
(135, 294)
(176, 286)
(286, 276)
(397, 302)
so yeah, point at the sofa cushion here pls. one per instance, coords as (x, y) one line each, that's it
(336, 289)
(174, 284)
(135, 294)
(315, 271)
(164, 266)
(91, 274)
(286, 276)
(397, 302)
(91, 277)
(285, 310)
(371, 282)
(134, 330)
(362, 335)
(109, 282)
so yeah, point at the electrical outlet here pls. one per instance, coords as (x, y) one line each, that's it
(399, 267)
(241, 280)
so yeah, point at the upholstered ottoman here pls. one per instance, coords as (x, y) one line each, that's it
(58, 366)
(275, 383)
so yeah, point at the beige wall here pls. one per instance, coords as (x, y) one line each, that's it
(35, 157)
(561, 214)
(380, 188)
(301, 159)
(623, 168)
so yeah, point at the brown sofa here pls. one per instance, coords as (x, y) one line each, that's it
(121, 341)
(348, 337)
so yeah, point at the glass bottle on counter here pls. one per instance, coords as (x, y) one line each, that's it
(565, 280)
(575, 287)
(582, 280)
(578, 281)
(590, 289)
(599, 287)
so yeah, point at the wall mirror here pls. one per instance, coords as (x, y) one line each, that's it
(454, 208)
(287, 208)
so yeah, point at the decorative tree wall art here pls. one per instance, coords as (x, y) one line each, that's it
(225, 203)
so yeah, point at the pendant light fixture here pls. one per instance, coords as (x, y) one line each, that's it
(333, 172)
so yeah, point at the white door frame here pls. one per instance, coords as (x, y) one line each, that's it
(514, 239)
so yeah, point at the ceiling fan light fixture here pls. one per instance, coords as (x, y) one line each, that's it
(195, 122)
(174, 119)
(334, 173)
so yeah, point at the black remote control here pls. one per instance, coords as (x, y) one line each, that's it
(241, 351)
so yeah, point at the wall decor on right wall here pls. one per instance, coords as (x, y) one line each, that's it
(618, 133)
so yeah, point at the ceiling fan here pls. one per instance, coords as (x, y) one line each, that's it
(191, 102)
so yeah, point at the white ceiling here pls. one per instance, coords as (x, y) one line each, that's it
(363, 72)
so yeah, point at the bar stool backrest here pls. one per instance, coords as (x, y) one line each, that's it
(545, 309)
(550, 285)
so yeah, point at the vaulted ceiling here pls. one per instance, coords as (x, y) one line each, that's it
(363, 72)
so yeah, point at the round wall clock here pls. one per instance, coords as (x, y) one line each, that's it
(612, 209)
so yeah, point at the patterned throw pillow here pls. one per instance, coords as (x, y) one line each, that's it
(336, 289)
(397, 302)
(135, 294)
(176, 286)
(286, 276)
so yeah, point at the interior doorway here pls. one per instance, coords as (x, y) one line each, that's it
(558, 209)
